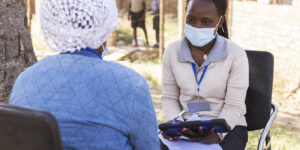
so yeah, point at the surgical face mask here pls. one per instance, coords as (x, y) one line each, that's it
(105, 51)
(200, 36)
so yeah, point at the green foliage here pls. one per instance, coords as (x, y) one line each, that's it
(124, 35)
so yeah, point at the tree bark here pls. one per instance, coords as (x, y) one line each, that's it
(16, 51)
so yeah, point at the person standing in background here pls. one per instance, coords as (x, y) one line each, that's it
(137, 15)
(155, 13)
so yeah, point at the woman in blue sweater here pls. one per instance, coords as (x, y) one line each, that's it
(98, 104)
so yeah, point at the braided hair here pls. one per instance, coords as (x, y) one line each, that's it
(221, 6)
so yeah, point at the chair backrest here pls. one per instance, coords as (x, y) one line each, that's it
(28, 129)
(259, 94)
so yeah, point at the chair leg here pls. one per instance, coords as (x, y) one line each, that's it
(265, 135)
(268, 142)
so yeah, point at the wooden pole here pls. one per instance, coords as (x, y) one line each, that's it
(181, 17)
(229, 17)
(162, 29)
(30, 7)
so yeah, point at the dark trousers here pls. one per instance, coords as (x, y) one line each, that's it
(156, 23)
(235, 140)
(136, 19)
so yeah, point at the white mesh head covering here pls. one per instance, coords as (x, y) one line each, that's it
(70, 25)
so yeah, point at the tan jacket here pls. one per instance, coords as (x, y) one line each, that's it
(224, 85)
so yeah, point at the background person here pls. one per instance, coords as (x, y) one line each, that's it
(98, 104)
(137, 15)
(155, 12)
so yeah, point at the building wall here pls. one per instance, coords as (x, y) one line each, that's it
(296, 3)
(273, 28)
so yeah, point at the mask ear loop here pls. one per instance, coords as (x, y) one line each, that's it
(105, 51)
(223, 27)
(218, 25)
(102, 47)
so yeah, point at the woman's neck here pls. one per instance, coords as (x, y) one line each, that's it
(99, 50)
(198, 53)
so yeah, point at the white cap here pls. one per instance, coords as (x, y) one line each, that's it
(70, 25)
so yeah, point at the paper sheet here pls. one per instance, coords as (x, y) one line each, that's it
(185, 145)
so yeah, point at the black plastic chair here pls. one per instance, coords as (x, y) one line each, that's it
(28, 129)
(259, 96)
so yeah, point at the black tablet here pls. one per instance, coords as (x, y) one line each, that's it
(173, 128)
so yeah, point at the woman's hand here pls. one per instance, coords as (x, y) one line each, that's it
(170, 137)
(209, 137)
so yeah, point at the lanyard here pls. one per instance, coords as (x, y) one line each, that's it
(94, 52)
(202, 76)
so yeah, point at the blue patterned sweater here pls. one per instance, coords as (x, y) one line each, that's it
(98, 104)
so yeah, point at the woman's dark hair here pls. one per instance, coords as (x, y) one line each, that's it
(221, 6)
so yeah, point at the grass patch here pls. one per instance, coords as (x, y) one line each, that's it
(124, 33)
(125, 36)
(282, 138)
(150, 69)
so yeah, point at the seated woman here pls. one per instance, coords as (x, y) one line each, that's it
(207, 68)
(98, 104)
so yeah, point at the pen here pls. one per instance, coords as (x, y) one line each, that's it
(180, 114)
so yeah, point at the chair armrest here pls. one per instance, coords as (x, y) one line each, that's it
(266, 130)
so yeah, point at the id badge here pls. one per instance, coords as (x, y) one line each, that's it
(198, 106)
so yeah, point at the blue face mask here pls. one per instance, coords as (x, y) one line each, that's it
(105, 51)
(200, 36)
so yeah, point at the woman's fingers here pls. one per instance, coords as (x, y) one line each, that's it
(200, 130)
(212, 130)
(187, 132)
(179, 133)
(211, 139)
(165, 135)
(170, 138)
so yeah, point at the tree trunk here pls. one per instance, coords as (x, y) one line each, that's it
(16, 52)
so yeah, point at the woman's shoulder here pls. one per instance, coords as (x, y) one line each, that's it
(173, 46)
(120, 69)
(172, 49)
(234, 49)
(89, 68)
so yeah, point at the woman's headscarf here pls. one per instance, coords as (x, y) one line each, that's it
(70, 25)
